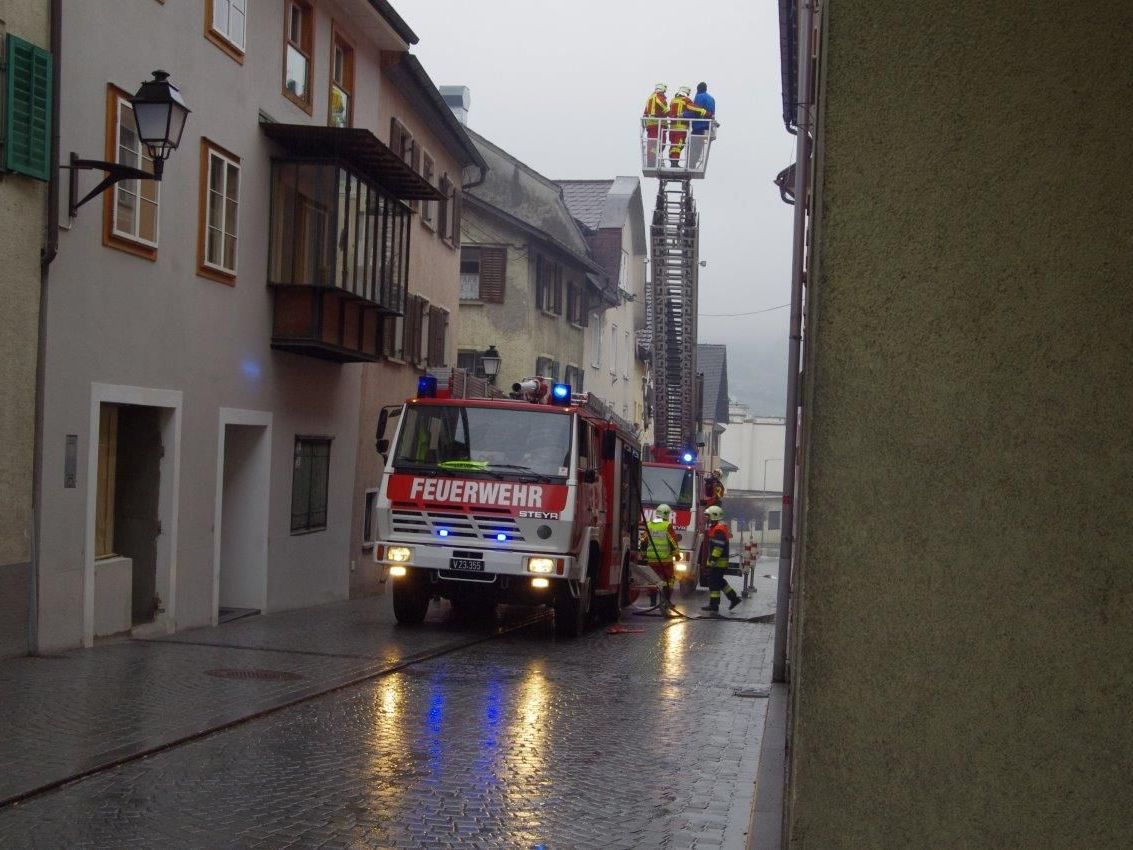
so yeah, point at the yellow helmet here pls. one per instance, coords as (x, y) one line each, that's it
(663, 511)
(660, 88)
(683, 91)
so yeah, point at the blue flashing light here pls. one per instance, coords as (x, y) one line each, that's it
(560, 394)
(501, 537)
(442, 532)
(427, 386)
(688, 457)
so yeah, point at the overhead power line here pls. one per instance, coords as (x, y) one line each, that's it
(736, 315)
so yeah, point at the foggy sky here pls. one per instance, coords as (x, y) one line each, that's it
(561, 87)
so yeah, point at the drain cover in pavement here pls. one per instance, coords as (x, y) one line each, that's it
(261, 675)
(752, 691)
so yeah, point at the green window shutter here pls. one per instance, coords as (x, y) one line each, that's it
(27, 119)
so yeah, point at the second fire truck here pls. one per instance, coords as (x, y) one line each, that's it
(527, 500)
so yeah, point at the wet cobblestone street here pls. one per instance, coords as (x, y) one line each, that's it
(615, 740)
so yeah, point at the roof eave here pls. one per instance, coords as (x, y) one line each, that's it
(396, 22)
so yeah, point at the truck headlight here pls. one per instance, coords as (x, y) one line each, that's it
(399, 554)
(680, 566)
(540, 565)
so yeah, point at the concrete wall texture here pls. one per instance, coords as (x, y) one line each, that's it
(960, 674)
(23, 209)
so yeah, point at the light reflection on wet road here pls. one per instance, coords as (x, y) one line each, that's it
(628, 741)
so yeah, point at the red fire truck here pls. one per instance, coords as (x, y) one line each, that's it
(676, 482)
(532, 499)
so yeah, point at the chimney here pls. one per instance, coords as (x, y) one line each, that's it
(458, 98)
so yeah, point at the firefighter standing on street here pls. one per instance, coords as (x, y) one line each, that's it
(659, 546)
(719, 539)
(655, 107)
(681, 107)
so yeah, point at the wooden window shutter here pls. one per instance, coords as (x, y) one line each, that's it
(27, 119)
(558, 290)
(493, 274)
(456, 205)
(438, 325)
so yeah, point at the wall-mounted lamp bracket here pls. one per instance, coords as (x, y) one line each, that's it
(114, 173)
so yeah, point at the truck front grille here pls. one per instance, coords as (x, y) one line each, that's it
(460, 526)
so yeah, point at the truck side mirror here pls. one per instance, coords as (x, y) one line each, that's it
(381, 443)
(383, 447)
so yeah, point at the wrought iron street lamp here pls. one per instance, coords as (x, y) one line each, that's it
(159, 116)
(490, 363)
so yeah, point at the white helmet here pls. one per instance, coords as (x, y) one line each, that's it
(714, 512)
(660, 88)
(684, 90)
(663, 511)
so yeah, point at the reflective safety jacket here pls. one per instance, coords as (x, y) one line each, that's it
(660, 542)
(719, 541)
(655, 107)
(682, 107)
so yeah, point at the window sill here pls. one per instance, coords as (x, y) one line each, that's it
(472, 302)
(577, 325)
(216, 275)
(298, 532)
(304, 104)
(227, 47)
(428, 225)
(128, 246)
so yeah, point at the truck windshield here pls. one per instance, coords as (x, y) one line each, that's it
(465, 440)
(671, 485)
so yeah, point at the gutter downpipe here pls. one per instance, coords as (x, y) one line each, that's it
(50, 249)
(798, 277)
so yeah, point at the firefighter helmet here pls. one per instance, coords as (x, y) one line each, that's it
(714, 513)
(683, 91)
(661, 88)
(663, 511)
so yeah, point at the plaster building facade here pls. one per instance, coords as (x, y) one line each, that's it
(755, 445)
(528, 281)
(962, 604)
(612, 218)
(218, 341)
(712, 376)
(24, 168)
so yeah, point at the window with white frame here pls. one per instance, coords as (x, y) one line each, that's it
(625, 356)
(228, 20)
(134, 211)
(623, 272)
(221, 201)
(613, 348)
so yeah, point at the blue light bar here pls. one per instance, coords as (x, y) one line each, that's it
(427, 386)
(442, 532)
(501, 537)
(560, 394)
(688, 457)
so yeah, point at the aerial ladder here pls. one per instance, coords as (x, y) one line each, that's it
(673, 473)
(672, 294)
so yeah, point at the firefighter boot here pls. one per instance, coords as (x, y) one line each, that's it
(733, 599)
(713, 606)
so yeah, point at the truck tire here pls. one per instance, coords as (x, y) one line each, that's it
(411, 598)
(572, 614)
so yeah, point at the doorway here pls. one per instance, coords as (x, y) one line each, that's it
(243, 492)
(127, 519)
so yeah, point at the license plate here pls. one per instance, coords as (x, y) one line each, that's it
(468, 564)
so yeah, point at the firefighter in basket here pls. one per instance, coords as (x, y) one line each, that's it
(719, 538)
(659, 547)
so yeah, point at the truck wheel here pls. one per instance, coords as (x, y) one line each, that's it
(411, 598)
(571, 614)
